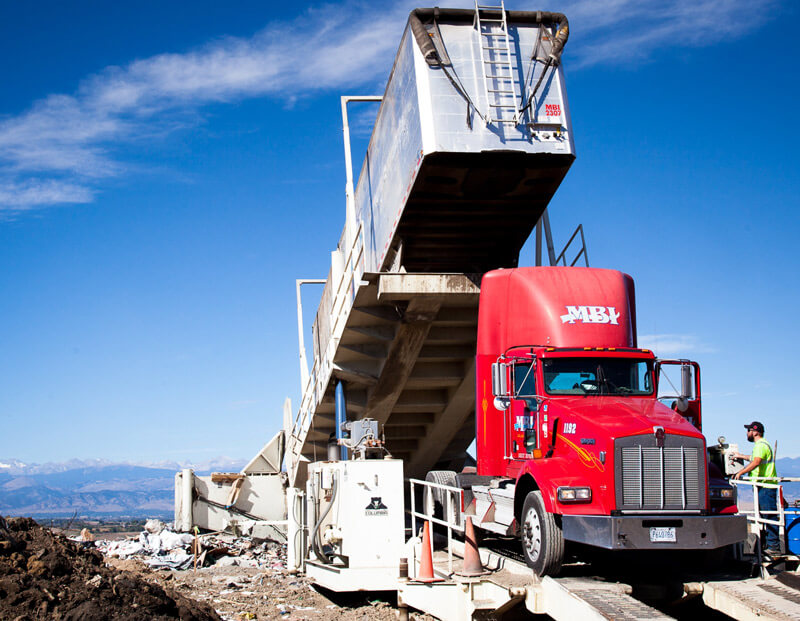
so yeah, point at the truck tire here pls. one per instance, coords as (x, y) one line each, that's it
(439, 509)
(541, 537)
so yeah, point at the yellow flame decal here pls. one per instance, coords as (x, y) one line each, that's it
(485, 406)
(590, 460)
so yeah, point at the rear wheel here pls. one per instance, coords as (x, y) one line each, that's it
(439, 496)
(541, 536)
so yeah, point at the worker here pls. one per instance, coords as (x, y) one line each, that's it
(762, 465)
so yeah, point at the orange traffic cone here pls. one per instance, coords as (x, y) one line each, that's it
(472, 558)
(426, 562)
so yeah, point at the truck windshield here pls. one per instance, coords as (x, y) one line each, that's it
(598, 376)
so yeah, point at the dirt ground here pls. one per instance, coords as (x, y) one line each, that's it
(242, 593)
(44, 575)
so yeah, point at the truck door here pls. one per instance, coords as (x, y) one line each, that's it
(523, 412)
(678, 387)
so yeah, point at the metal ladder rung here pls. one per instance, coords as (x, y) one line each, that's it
(490, 8)
(502, 106)
(496, 62)
(501, 49)
(489, 19)
(493, 90)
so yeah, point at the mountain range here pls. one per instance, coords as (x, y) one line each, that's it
(96, 487)
(100, 488)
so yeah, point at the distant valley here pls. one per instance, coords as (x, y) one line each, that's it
(95, 488)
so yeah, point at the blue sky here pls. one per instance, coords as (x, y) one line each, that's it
(167, 172)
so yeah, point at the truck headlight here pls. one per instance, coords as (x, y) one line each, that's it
(574, 494)
(727, 493)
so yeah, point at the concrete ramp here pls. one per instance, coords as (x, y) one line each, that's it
(776, 598)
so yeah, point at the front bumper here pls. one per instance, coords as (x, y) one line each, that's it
(695, 532)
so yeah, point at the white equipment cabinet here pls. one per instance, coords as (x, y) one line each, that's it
(355, 524)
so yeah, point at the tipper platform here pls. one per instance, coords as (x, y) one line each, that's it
(472, 139)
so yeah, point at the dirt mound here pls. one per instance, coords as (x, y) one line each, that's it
(43, 575)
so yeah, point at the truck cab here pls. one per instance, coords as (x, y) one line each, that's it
(573, 443)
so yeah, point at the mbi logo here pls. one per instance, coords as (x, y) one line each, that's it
(591, 314)
(552, 109)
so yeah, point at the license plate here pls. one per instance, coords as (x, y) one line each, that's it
(663, 534)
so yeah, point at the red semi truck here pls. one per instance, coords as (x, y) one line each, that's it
(573, 443)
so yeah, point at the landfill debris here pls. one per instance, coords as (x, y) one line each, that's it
(159, 547)
(46, 576)
(154, 526)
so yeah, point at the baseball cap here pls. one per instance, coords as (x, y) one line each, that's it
(755, 426)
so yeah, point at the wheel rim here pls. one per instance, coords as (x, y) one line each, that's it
(532, 534)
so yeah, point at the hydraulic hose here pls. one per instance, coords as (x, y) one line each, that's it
(315, 543)
(419, 17)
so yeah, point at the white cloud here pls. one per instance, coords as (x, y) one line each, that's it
(63, 145)
(31, 193)
(673, 344)
(629, 31)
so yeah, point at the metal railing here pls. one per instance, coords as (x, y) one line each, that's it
(562, 259)
(454, 503)
(757, 516)
(340, 288)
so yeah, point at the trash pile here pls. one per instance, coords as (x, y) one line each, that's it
(47, 576)
(161, 548)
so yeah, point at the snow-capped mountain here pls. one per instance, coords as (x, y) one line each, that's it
(96, 487)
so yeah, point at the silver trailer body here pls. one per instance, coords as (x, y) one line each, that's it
(448, 190)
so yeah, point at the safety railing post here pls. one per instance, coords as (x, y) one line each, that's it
(413, 512)
(781, 519)
(450, 514)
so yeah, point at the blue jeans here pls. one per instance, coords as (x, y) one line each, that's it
(768, 501)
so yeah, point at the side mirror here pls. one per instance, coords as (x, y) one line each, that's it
(682, 404)
(500, 379)
(687, 387)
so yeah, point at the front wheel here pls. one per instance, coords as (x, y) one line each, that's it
(541, 536)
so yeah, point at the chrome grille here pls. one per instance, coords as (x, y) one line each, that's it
(669, 477)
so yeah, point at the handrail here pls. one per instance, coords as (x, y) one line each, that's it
(561, 257)
(452, 493)
(756, 516)
(319, 375)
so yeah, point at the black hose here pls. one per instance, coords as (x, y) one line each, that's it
(232, 509)
(315, 544)
(418, 17)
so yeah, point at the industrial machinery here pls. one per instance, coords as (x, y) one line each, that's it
(355, 516)
(471, 141)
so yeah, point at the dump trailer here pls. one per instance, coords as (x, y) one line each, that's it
(471, 141)
(573, 443)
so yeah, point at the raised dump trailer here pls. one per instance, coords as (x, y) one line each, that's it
(471, 141)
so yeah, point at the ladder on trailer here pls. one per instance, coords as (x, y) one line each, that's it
(495, 53)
